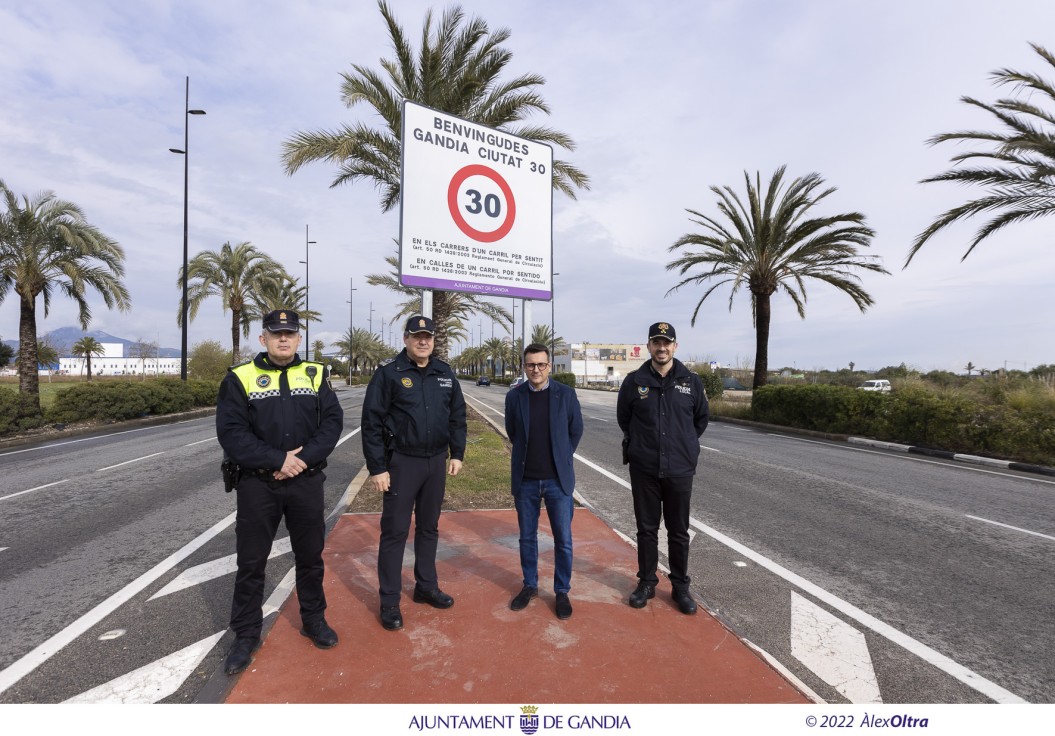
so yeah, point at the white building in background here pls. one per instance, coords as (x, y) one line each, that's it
(602, 362)
(113, 362)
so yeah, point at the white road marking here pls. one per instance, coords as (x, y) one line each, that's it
(127, 462)
(739, 563)
(280, 593)
(835, 651)
(347, 437)
(602, 471)
(152, 682)
(1008, 526)
(712, 449)
(45, 651)
(3, 548)
(598, 419)
(191, 444)
(30, 490)
(216, 569)
(945, 664)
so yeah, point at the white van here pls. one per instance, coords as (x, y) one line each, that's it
(877, 385)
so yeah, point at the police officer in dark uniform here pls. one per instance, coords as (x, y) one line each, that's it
(662, 410)
(413, 418)
(278, 420)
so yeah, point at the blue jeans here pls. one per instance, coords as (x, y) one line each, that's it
(560, 507)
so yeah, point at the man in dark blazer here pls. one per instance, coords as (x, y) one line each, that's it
(544, 423)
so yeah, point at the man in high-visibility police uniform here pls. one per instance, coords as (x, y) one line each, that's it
(278, 420)
(413, 418)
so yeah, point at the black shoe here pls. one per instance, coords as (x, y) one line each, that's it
(563, 606)
(683, 598)
(435, 598)
(391, 618)
(320, 633)
(641, 595)
(519, 603)
(241, 654)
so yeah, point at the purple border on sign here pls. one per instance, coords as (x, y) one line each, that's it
(477, 288)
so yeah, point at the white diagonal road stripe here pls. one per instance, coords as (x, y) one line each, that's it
(834, 650)
(152, 682)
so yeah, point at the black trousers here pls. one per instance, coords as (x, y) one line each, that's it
(417, 485)
(667, 497)
(261, 506)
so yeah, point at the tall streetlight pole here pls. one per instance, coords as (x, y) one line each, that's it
(351, 325)
(371, 319)
(307, 294)
(185, 152)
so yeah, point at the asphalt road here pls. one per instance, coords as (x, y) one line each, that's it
(892, 564)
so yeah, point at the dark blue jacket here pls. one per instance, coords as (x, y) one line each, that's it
(663, 419)
(565, 430)
(422, 416)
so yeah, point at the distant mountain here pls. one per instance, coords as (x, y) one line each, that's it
(64, 337)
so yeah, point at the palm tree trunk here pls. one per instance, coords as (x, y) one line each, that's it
(235, 335)
(440, 314)
(88, 363)
(28, 379)
(762, 317)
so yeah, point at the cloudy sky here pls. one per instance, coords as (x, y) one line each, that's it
(664, 100)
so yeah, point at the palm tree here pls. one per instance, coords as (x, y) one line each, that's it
(448, 307)
(362, 348)
(457, 70)
(48, 355)
(770, 246)
(494, 349)
(85, 348)
(238, 275)
(47, 244)
(317, 348)
(284, 293)
(969, 368)
(1020, 180)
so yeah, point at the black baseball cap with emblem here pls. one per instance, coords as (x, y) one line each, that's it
(664, 330)
(417, 323)
(282, 320)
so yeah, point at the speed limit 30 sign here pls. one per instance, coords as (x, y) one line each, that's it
(476, 211)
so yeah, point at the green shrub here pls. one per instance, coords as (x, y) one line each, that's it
(114, 401)
(712, 383)
(568, 379)
(17, 412)
(1016, 423)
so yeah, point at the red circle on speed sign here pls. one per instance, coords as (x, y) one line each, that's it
(483, 236)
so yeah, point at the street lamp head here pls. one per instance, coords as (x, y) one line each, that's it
(195, 112)
(179, 151)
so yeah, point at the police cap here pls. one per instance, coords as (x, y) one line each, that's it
(663, 330)
(417, 323)
(282, 320)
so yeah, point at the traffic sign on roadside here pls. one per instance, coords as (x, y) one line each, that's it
(477, 208)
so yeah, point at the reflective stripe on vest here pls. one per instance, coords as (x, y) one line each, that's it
(264, 384)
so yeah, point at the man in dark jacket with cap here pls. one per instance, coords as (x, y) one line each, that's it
(413, 419)
(278, 420)
(662, 410)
